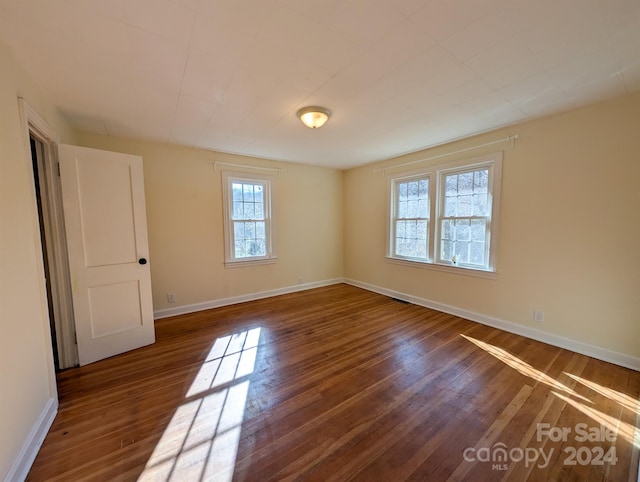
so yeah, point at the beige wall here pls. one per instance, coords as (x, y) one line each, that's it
(26, 376)
(185, 223)
(569, 229)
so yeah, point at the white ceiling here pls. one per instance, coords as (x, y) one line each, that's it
(399, 75)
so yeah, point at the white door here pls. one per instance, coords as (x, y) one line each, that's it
(106, 226)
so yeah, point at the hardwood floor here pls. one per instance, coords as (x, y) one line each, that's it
(339, 383)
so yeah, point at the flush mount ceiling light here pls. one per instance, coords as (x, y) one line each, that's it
(314, 116)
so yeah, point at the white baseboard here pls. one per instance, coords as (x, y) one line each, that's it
(593, 351)
(22, 464)
(207, 305)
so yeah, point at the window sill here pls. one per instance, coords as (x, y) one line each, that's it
(476, 273)
(249, 262)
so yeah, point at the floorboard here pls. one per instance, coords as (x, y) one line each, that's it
(338, 383)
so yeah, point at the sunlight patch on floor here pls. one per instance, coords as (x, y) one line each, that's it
(622, 399)
(523, 367)
(627, 431)
(201, 441)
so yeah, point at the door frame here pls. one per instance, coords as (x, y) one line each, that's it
(54, 233)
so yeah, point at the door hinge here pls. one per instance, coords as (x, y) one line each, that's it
(58, 164)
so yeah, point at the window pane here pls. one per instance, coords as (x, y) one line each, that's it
(239, 249)
(412, 199)
(247, 192)
(238, 230)
(450, 206)
(261, 247)
(412, 209)
(236, 188)
(410, 246)
(466, 193)
(413, 190)
(258, 191)
(250, 247)
(421, 230)
(451, 185)
(237, 210)
(465, 206)
(461, 250)
(401, 229)
(249, 230)
(462, 230)
(477, 253)
(402, 191)
(478, 230)
(402, 209)
(412, 229)
(423, 189)
(447, 229)
(480, 181)
(465, 183)
(259, 210)
(423, 208)
(446, 250)
(260, 230)
(464, 238)
(411, 238)
(249, 212)
(480, 205)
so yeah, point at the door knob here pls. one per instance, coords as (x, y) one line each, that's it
(142, 261)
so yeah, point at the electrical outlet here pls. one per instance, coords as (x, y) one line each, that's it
(299, 280)
(538, 316)
(171, 297)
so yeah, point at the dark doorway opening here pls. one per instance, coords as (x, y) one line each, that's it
(37, 154)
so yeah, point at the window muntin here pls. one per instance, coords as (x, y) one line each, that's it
(248, 218)
(411, 218)
(458, 220)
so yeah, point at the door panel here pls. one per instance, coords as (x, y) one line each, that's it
(105, 220)
(108, 318)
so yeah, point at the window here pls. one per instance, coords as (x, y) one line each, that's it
(411, 218)
(248, 221)
(447, 216)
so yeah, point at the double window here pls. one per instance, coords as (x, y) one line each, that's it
(447, 216)
(248, 219)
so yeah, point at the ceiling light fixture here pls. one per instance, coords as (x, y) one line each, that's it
(314, 116)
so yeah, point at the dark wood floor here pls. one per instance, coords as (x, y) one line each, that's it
(339, 383)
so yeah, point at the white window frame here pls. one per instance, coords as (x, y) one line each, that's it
(436, 176)
(228, 178)
(395, 181)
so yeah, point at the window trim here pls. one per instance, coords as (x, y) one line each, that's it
(436, 175)
(393, 206)
(229, 177)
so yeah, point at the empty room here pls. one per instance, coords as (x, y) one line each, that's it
(265, 240)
